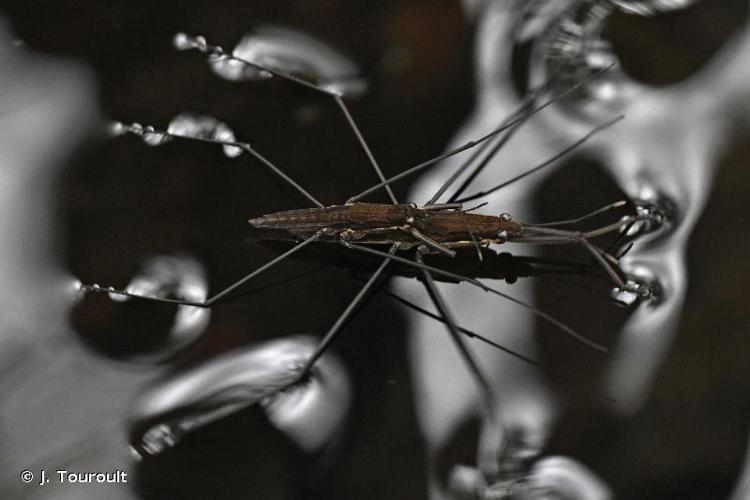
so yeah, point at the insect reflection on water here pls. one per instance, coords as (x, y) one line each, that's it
(433, 228)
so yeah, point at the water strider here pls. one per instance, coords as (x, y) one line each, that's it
(428, 229)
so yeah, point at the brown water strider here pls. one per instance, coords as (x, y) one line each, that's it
(440, 226)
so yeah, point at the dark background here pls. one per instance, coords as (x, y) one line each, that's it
(120, 201)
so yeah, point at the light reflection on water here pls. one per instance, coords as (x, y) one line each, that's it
(310, 412)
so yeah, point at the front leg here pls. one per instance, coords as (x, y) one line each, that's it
(428, 241)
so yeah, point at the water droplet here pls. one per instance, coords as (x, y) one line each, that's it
(158, 439)
(182, 41)
(148, 332)
(310, 412)
(292, 52)
(652, 217)
(117, 128)
(645, 287)
(153, 137)
(624, 296)
(204, 127)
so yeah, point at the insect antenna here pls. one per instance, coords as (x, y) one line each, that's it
(475, 207)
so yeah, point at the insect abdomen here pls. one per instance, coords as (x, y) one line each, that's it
(303, 219)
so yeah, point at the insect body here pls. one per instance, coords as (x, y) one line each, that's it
(441, 227)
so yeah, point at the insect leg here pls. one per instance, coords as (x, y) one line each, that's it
(543, 164)
(430, 242)
(345, 109)
(421, 166)
(491, 440)
(150, 131)
(475, 282)
(212, 300)
(200, 44)
(582, 218)
(525, 105)
(336, 327)
(485, 390)
(474, 335)
(552, 236)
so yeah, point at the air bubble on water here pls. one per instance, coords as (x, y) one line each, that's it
(204, 127)
(310, 412)
(289, 51)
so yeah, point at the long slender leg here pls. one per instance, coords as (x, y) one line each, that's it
(474, 335)
(421, 166)
(475, 282)
(212, 300)
(543, 164)
(550, 236)
(468, 333)
(485, 389)
(598, 211)
(486, 160)
(336, 327)
(490, 441)
(200, 44)
(345, 109)
(146, 131)
(430, 242)
(469, 161)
